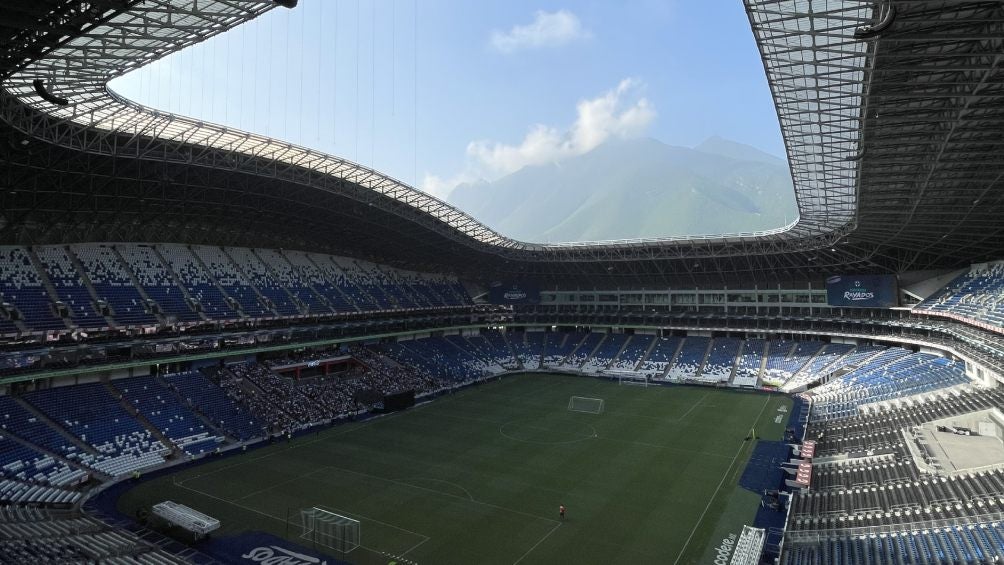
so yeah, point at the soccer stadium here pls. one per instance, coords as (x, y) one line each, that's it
(217, 346)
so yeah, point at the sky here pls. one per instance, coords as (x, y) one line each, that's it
(436, 92)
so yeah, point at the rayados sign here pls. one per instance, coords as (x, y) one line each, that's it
(275, 555)
(514, 294)
(859, 293)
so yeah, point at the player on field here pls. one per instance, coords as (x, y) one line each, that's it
(561, 511)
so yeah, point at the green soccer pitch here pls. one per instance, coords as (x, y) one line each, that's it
(476, 477)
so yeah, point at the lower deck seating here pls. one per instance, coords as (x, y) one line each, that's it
(16, 420)
(164, 410)
(89, 412)
(634, 351)
(977, 295)
(23, 463)
(26, 493)
(201, 394)
(559, 346)
(893, 374)
(688, 360)
(29, 536)
(974, 543)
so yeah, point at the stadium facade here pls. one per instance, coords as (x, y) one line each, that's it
(135, 243)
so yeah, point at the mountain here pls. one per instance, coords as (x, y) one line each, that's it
(637, 188)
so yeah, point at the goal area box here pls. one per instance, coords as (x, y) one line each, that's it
(327, 529)
(585, 404)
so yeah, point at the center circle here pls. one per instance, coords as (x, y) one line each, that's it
(547, 431)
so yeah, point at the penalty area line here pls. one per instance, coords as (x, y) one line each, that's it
(540, 541)
(284, 521)
(720, 484)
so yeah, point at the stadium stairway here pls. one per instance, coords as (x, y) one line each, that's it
(279, 270)
(366, 290)
(579, 357)
(673, 358)
(218, 264)
(179, 284)
(555, 356)
(43, 277)
(512, 350)
(115, 285)
(278, 300)
(54, 455)
(467, 346)
(85, 281)
(159, 312)
(620, 351)
(735, 362)
(353, 294)
(43, 418)
(704, 360)
(139, 417)
(749, 363)
(644, 357)
(232, 301)
(312, 278)
(206, 421)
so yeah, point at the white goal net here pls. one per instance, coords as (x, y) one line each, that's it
(637, 380)
(585, 404)
(330, 530)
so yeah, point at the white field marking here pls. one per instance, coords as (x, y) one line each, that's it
(666, 447)
(695, 405)
(467, 418)
(720, 483)
(576, 440)
(299, 444)
(283, 520)
(467, 492)
(441, 493)
(644, 416)
(273, 485)
(540, 541)
(326, 436)
(409, 550)
(374, 520)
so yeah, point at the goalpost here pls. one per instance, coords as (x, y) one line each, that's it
(633, 379)
(585, 404)
(330, 530)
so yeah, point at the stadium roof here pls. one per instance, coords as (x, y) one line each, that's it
(891, 114)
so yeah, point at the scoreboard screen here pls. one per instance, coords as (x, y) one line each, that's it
(862, 291)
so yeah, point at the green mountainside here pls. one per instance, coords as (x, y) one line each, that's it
(637, 188)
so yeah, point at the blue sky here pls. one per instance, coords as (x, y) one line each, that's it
(434, 92)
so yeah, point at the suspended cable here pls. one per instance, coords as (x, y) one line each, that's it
(393, 57)
(414, 129)
(285, 83)
(271, 73)
(373, 84)
(320, 57)
(300, 65)
(205, 78)
(334, 81)
(355, 119)
(242, 119)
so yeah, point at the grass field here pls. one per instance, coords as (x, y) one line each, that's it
(477, 477)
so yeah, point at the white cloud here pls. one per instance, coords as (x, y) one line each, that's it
(546, 30)
(441, 187)
(619, 113)
(611, 115)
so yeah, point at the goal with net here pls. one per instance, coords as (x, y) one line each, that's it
(585, 404)
(632, 379)
(334, 531)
